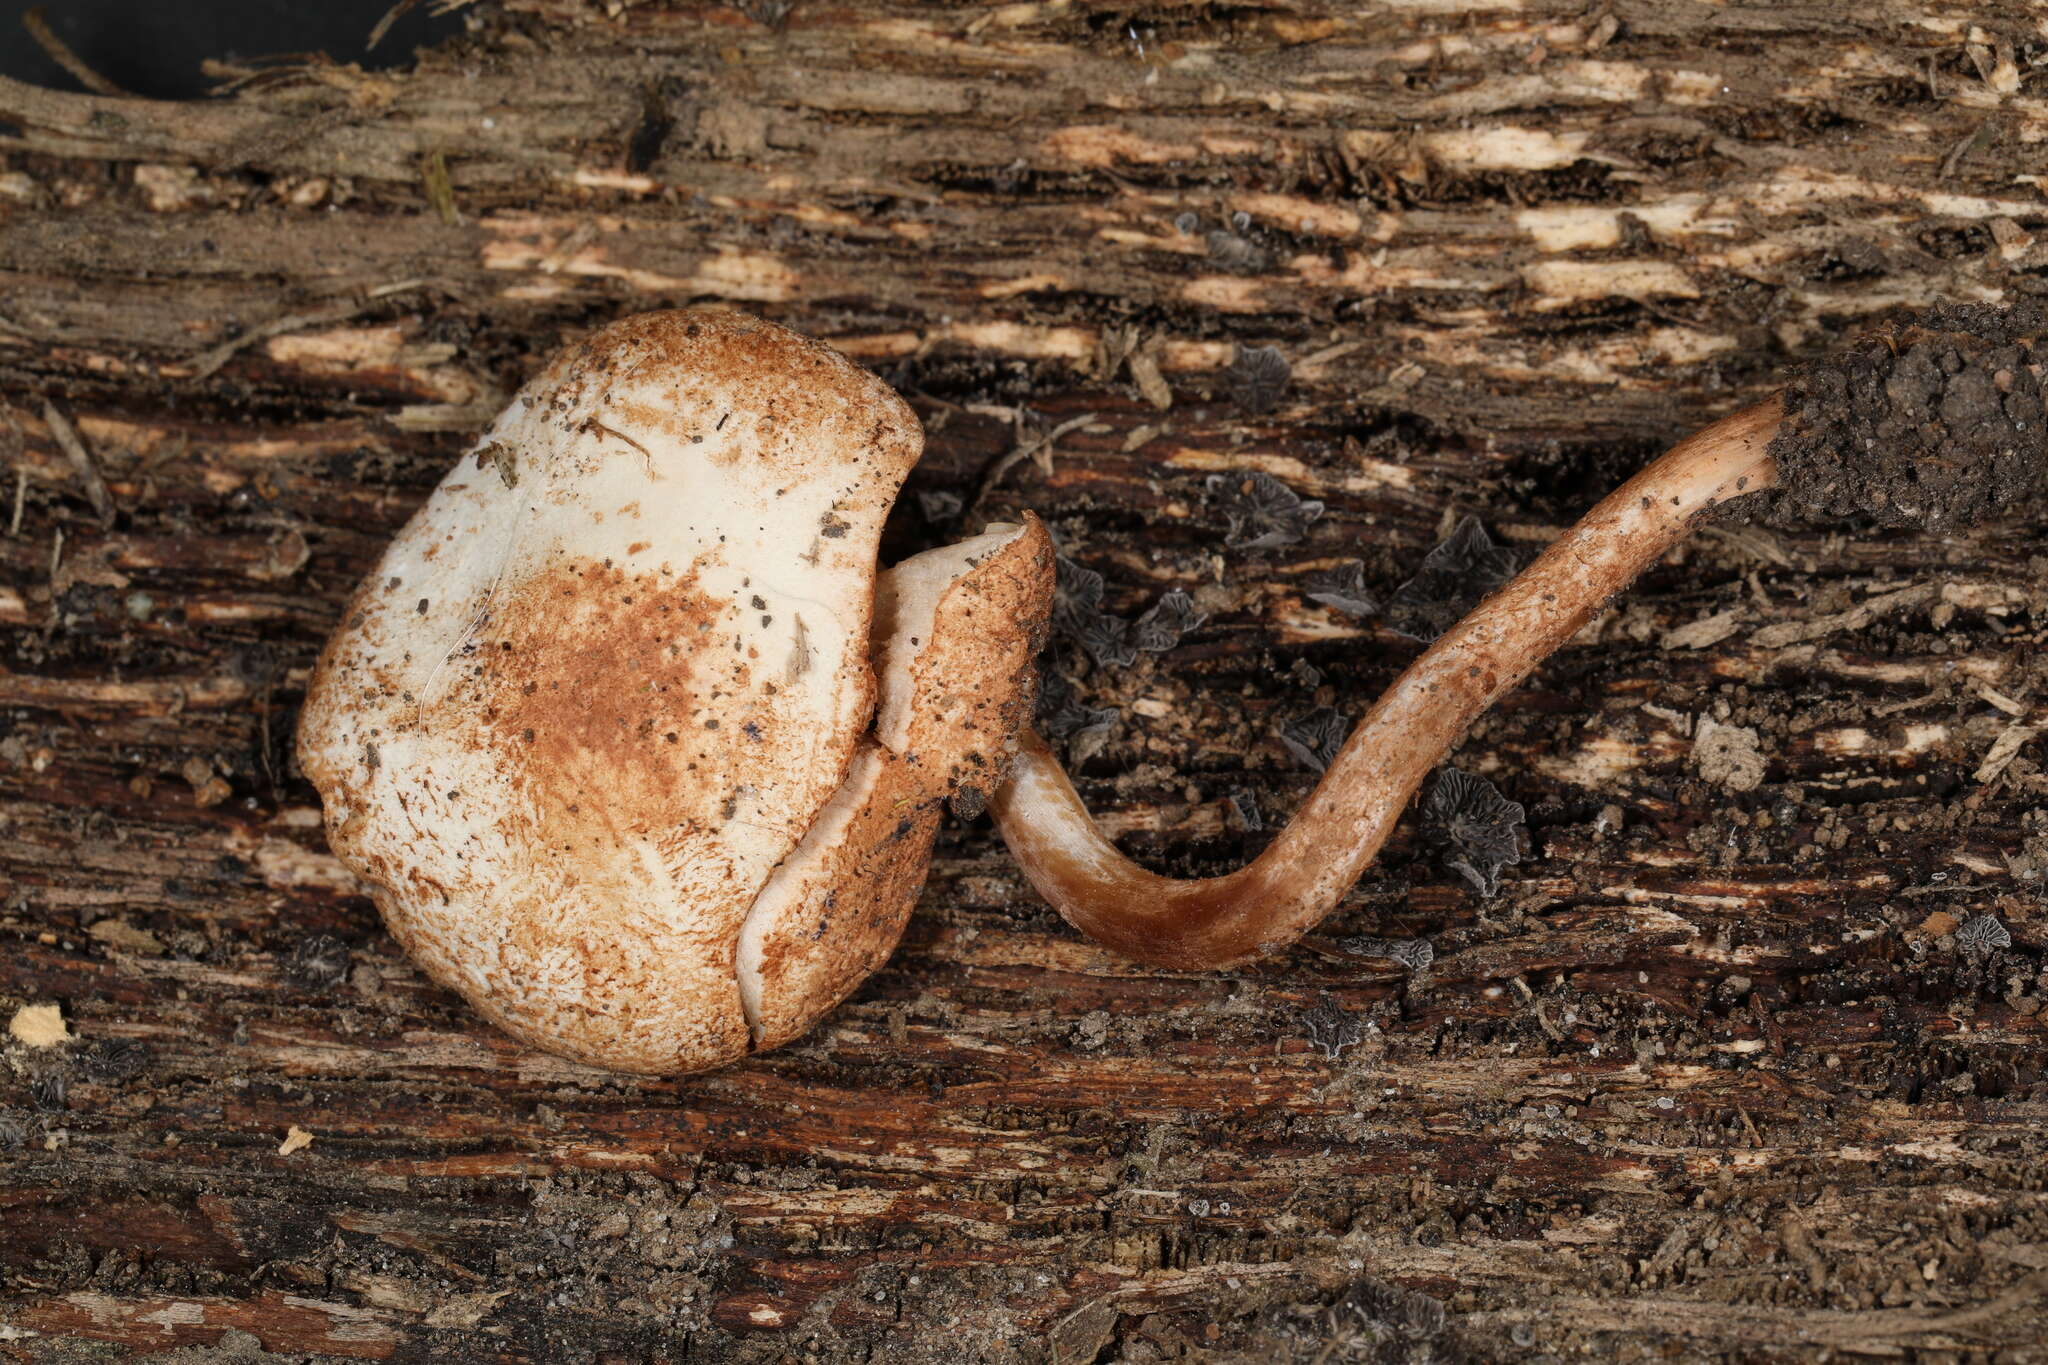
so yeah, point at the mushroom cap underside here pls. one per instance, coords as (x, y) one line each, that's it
(954, 652)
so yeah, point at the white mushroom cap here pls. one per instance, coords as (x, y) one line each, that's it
(608, 678)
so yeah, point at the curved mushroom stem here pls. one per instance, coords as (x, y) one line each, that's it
(1267, 904)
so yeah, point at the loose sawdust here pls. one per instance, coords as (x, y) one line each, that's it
(39, 1026)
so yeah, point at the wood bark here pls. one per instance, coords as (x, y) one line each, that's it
(1731, 1068)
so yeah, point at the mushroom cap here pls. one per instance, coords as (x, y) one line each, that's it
(608, 677)
(956, 637)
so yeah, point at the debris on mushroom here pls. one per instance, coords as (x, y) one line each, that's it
(632, 745)
(956, 674)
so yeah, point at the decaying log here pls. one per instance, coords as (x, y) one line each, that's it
(1743, 1061)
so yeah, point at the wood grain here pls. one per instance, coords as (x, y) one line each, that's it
(1714, 1077)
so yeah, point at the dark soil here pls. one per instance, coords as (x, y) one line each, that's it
(1934, 422)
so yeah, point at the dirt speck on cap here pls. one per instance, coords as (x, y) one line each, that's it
(1934, 421)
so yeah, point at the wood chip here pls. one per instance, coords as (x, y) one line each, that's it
(119, 934)
(2004, 750)
(582, 235)
(60, 52)
(207, 361)
(81, 459)
(1399, 380)
(1140, 436)
(1708, 630)
(391, 16)
(39, 1026)
(211, 359)
(1036, 447)
(1729, 756)
(1750, 541)
(1856, 618)
(466, 1310)
(1151, 383)
(1939, 923)
(296, 1139)
(2000, 700)
(208, 789)
(445, 416)
(440, 191)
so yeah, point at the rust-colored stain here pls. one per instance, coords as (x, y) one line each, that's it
(593, 680)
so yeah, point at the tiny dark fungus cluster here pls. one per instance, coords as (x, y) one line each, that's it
(1114, 641)
(1453, 579)
(1257, 378)
(1476, 830)
(1342, 589)
(1315, 738)
(1263, 513)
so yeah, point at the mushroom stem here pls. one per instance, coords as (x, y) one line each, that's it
(1295, 882)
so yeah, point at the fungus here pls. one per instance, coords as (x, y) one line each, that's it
(639, 751)
(1315, 738)
(1475, 827)
(1165, 621)
(1455, 577)
(1077, 613)
(658, 753)
(1263, 512)
(317, 961)
(1257, 378)
(1332, 1029)
(1982, 934)
(1341, 589)
(1061, 715)
(1935, 422)
(1112, 641)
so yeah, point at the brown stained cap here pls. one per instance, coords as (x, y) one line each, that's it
(957, 682)
(613, 672)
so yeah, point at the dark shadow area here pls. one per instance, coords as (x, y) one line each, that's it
(157, 49)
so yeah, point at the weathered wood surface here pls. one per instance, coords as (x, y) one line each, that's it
(1721, 1082)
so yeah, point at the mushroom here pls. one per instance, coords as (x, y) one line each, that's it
(1935, 422)
(639, 753)
(632, 743)
(1299, 877)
